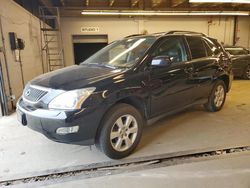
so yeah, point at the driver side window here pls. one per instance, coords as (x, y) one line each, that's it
(174, 48)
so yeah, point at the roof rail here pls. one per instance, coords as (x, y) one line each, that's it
(134, 35)
(159, 33)
(185, 32)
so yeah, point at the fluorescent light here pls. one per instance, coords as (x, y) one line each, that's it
(219, 1)
(165, 13)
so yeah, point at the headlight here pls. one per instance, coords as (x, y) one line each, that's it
(71, 99)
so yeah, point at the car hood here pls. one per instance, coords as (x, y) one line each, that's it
(75, 77)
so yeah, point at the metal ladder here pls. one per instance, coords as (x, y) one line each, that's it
(51, 38)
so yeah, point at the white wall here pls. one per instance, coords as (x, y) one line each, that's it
(116, 28)
(16, 19)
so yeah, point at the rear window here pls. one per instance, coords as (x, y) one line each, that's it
(196, 47)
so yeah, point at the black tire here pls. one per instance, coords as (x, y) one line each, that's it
(103, 140)
(246, 74)
(211, 104)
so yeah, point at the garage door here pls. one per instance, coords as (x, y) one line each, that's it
(87, 45)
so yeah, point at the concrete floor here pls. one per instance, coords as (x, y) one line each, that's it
(24, 152)
(229, 172)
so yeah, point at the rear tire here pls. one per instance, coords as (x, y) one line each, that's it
(246, 74)
(217, 97)
(120, 132)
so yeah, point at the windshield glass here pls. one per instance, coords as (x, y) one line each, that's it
(122, 53)
(237, 51)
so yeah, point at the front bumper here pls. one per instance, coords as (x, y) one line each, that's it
(48, 121)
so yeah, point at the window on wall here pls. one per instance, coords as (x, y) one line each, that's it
(197, 47)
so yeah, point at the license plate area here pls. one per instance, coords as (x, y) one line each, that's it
(21, 117)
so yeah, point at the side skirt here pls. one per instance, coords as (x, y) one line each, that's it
(157, 118)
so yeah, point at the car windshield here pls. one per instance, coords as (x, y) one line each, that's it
(123, 53)
(237, 51)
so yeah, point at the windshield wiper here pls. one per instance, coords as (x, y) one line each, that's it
(109, 66)
(101, 65)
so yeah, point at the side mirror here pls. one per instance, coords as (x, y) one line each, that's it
(161, 61)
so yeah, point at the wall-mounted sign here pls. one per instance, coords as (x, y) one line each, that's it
(90, 29)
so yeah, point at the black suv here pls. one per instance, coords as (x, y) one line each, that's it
(240, 57)
(107, 99)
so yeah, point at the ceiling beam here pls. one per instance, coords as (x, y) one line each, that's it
(168, 3)
(141, 4)
(77, 9)
(48, 5)
(177, 3)
(203, 8)
(62, 2)
(134, 3)
(111, 2)
(87, 3)
(155, 3)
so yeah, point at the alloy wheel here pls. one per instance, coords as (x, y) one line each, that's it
(219, 96)
(123, 133)
(248, 73)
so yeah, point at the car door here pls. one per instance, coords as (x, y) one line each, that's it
(240, 61)
(204, 63)
(170, 87)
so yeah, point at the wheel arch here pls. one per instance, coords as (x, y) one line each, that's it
(225, 79)
(134, 101)
(137, 103)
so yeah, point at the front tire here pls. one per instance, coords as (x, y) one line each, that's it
(247, 73)
(217, 97)
(121, 131)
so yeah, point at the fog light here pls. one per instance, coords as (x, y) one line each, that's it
(67, 130)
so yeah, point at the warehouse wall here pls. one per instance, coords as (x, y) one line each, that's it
(218, 27)
(16, 19)
(115, 28)
(243, 32)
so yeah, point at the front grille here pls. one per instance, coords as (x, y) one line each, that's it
(34, 94)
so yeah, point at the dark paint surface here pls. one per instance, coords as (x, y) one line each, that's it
(239, 63)
(153, 90)
(74, 77)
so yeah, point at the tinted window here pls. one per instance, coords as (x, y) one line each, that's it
(237, 51)
(214, 45)
(122, 53)
(174, 48)
(217, 49)
(196, 47)
(208, 49)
